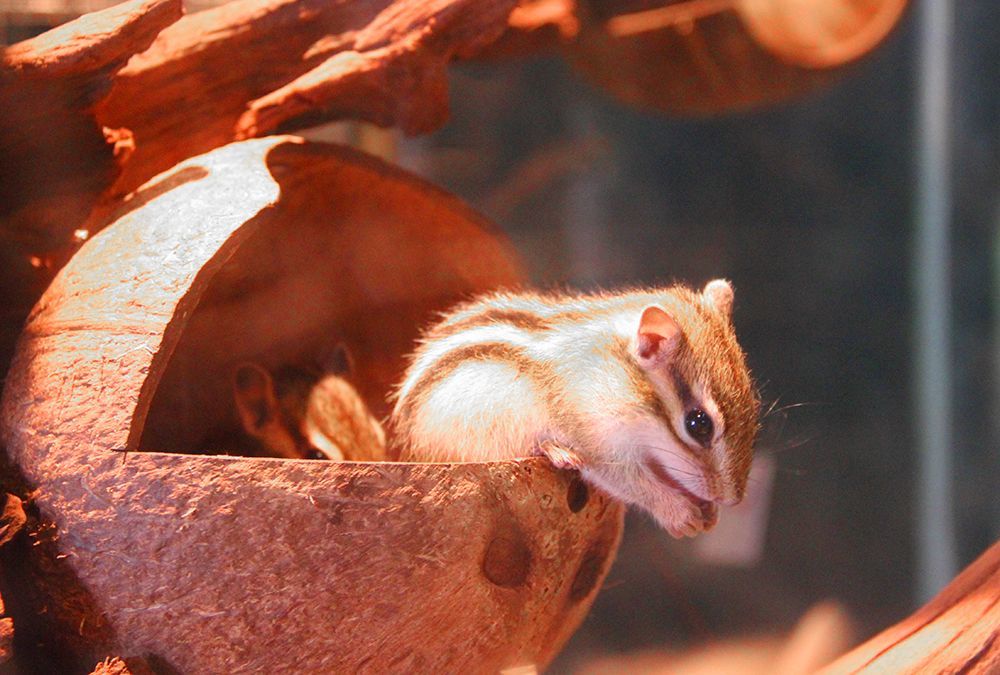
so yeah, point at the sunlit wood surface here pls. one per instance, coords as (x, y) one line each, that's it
(956, 632)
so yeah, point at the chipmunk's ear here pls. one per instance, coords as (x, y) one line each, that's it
(256, 401)
(719, 294)
(338, 361)
(658, 336)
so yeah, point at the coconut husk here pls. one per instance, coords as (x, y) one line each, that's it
(208, 563)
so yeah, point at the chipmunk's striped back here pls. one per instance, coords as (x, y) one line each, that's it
(502, 375)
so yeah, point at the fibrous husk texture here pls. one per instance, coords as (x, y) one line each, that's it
(214, 563)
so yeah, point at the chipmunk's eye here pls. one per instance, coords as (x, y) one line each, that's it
(699, 426)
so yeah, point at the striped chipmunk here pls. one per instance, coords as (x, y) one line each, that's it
(306, 413)
(645, 392)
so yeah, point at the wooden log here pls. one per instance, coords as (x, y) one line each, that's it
(209, 563)
(709, 56)
(237, 71)
(956, 632)
(250, 66)
(54, 155)
(55, 159)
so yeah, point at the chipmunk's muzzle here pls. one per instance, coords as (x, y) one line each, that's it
(705, 512)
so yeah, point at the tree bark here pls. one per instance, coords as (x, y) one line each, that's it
(54, 155)
(250, 67)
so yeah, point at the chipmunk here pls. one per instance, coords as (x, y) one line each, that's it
(301, 413)
(645, 392)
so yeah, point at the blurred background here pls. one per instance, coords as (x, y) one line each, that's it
(812, 209)
(858, 223)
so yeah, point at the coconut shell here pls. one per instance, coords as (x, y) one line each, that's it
(206, 563)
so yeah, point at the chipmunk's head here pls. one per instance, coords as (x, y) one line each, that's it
(695, 446)
(302, 413)
(273, 410)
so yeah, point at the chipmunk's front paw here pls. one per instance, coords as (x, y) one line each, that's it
(560, 456)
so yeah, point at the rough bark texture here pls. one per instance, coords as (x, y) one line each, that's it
(216, 564)
(67, 136)
(956, 632)
(54, 158)
(250, 66)
(54, 155)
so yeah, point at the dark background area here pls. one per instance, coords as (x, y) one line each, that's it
(808, 207)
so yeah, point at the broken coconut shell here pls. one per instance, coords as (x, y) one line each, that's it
(269, 249)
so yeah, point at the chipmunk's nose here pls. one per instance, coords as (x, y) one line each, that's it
(729, 495)
(718, 492)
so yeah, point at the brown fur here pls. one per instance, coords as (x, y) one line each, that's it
(708, 353)
(280, 410)
(488, 351)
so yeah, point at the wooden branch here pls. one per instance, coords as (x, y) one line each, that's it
(534, 26)
(249, 67)
(95, 43)
(701, 56)
(956, 632)
(240, 70)
(54, 159)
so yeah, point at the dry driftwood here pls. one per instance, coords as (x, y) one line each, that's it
(252, 66)
(711, 56)
(213, 562)
(237, 71)
(54, 158)
(956, 632)
(67, 137)
(248, 67)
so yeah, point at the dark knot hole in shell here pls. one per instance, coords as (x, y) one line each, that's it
(507, 560)
(577, 494)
